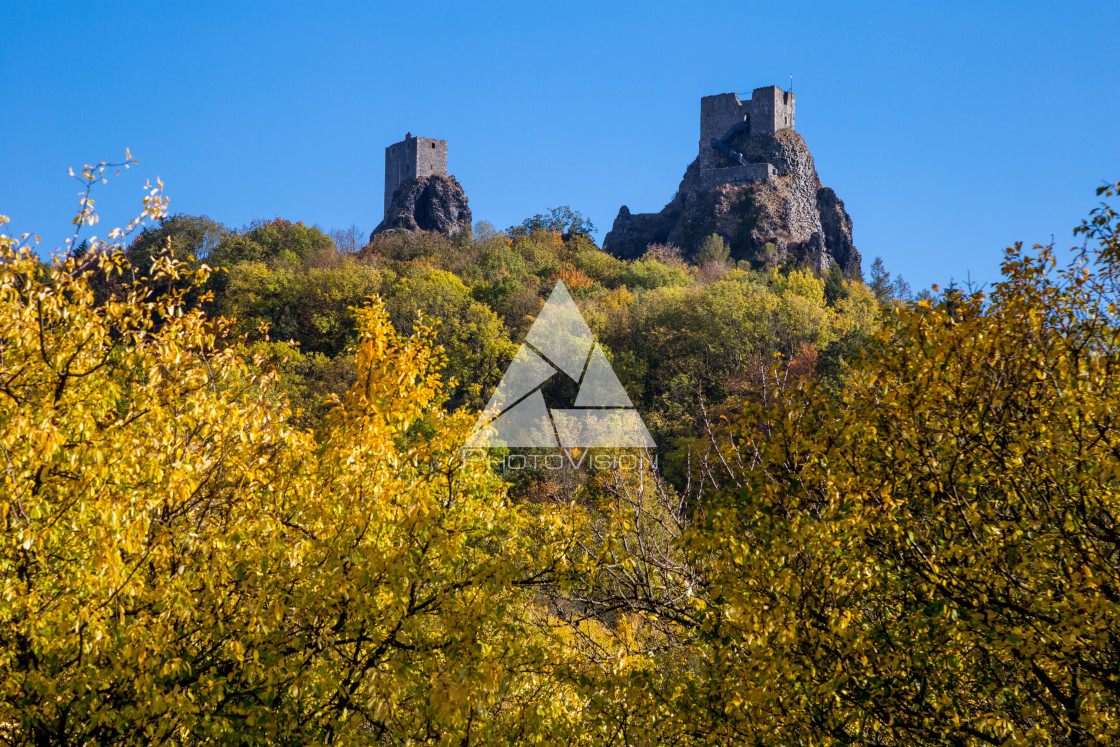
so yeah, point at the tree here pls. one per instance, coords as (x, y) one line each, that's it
(561, 219)
(349, 240)
(193, 238)
(901, 289)
(648, 273)
(713, 250)
(469, 334)
(881, 281)
(314, 307)
(181, 563)
(929, 557)
(834, 287)
(277, 239)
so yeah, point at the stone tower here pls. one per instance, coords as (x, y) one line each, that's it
(725, 118)
(413, 158)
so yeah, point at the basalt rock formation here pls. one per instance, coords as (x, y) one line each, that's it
(766, 221)
(430, 203)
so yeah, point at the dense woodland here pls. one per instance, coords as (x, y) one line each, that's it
(691, 342)
(236, 510)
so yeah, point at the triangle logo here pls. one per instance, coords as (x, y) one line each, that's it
(560, 342)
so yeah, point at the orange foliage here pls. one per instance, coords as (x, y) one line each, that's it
(573, 278)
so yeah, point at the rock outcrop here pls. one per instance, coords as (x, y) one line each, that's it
(431, 203)
(764, 221)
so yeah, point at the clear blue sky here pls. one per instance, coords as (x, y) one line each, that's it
(948, 131)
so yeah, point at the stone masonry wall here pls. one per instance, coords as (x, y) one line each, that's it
(718, 114)
(771, 109)
(768, 110)
(710, 178)
(413, 158)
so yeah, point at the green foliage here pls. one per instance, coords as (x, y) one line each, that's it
(769, 258)
(834, 363)
(314, 307)
(714, 250)
(543, 252)
(193, 239)
(703, 346)
(278, 239)
(647, 274)
(309, 383)
(834, 287)
(561, 220)
(881, 284)
(470, 335)
(605, 269)
(887, 290)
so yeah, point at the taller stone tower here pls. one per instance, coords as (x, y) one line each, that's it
(753, 182)
(413, 158)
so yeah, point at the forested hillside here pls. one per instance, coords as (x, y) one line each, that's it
(691, 343)
(236, 508)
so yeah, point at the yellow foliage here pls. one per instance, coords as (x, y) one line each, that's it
(928, 556)
(180, 562)
(931, 557)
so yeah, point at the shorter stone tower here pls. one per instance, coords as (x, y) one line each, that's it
(412, 158)
(725, 118)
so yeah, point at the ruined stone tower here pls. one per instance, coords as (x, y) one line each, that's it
(725, 120)
(412, 158)
(755, 184)
(419, 193)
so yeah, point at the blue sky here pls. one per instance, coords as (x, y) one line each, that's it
(950, 131)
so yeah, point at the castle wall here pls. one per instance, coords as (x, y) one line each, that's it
(718, 114)
(769, 109)
(710, 178)
(412, 158)
(397, 163)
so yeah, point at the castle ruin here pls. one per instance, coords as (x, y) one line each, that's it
(413, 158)
(726, 120)
(754, 183)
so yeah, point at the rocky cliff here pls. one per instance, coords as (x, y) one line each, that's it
(765, 221)
(430, 203)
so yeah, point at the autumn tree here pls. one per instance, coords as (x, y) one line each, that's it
(927, 555)
(181, 562)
